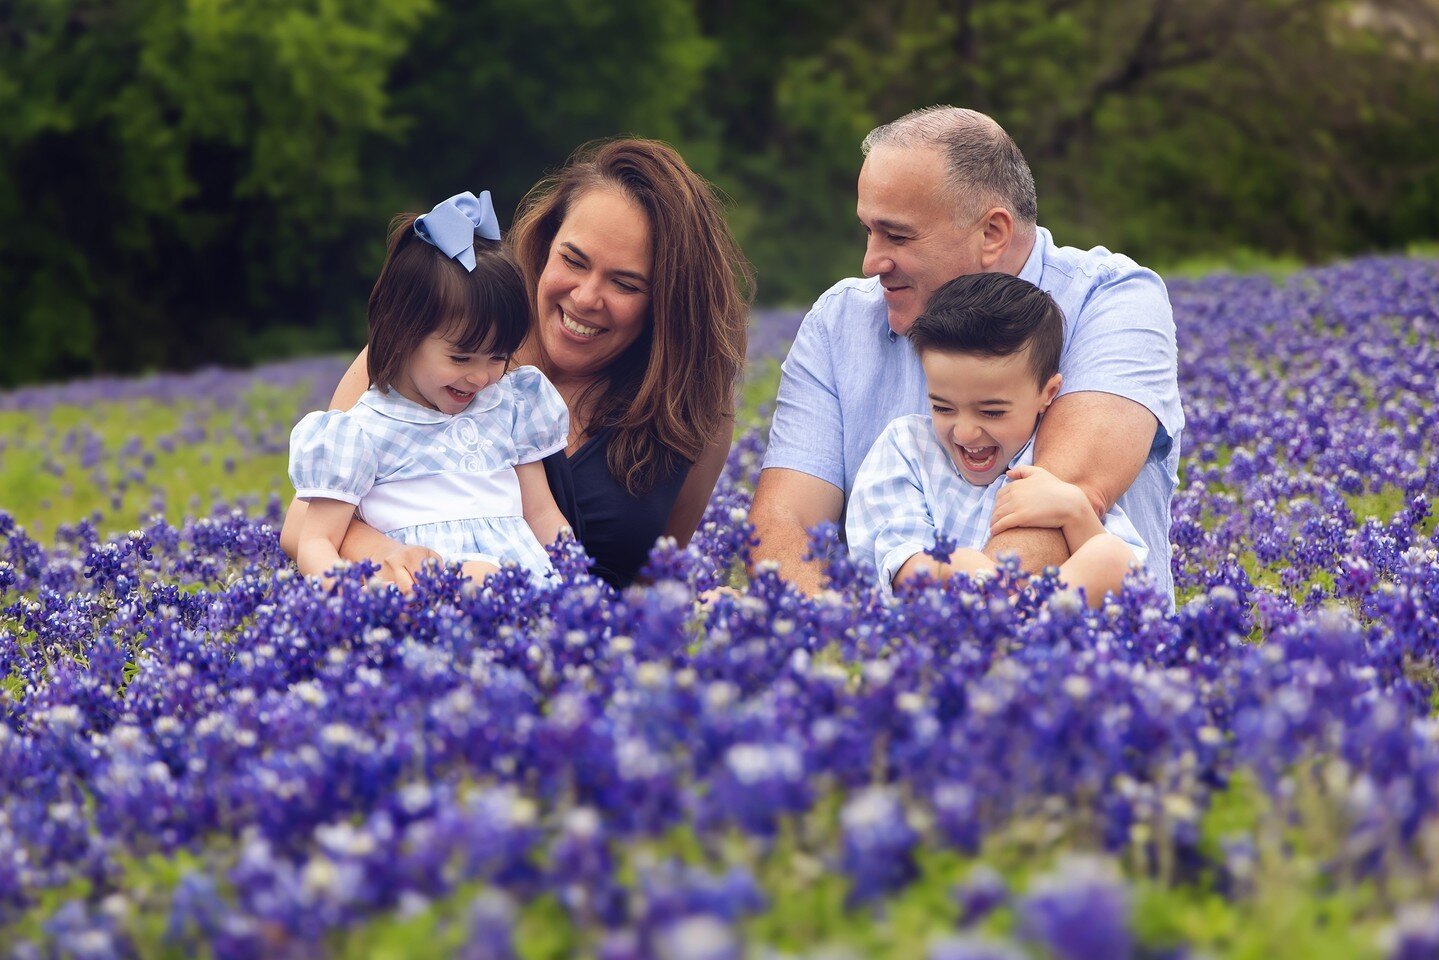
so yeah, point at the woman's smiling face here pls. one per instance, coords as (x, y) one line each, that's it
(593, 296)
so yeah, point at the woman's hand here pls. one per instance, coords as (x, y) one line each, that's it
(1034, 497)
(400, 565)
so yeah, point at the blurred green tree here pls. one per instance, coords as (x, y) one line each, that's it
(1162, 127)
(177, 173)
(191, 181)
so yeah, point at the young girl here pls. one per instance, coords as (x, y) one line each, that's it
(444, 449)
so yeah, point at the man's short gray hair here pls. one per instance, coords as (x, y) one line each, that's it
(982, 163)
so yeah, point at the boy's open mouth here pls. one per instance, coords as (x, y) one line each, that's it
(460, 395)
(979, 459)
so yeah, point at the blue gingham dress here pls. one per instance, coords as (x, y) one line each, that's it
(908, 491)
(437, 480)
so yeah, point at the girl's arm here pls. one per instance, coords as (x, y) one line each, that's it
(318, 550)
(538, 503)
(398, 562)
(694, 495)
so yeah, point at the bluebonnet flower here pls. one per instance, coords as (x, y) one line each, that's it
(1079, 912)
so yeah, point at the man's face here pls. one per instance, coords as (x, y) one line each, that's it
(914, 242)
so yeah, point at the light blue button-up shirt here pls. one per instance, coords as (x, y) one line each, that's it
(848, 375)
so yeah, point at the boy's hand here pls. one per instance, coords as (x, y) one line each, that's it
(1034, 497)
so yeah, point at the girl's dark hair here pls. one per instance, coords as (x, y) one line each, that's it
(421, 291)
(993, 315)
(672, 391)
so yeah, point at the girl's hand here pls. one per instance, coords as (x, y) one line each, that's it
(1034, 497)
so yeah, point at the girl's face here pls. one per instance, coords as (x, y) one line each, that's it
(444, 378)
(593, 296)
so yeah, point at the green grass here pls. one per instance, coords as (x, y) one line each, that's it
(45, 487)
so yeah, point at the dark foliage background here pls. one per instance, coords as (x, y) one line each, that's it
(194, 181)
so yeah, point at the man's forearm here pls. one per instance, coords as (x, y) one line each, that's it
(786, 543)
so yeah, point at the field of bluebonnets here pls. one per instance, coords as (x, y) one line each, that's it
(202, 753)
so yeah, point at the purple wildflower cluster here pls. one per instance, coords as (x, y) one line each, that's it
(306, 761)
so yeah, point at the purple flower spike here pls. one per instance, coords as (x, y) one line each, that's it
(492, 922)
(1414, 934)
(700, 937)
(979, 895)
(878, 845)
(1079, 912)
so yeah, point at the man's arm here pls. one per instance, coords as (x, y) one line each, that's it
(1096, 441)
(787, 503)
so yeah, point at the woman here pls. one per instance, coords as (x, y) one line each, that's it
(640, 299)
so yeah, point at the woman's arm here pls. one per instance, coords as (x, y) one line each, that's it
(398, 563)
(538, 503)
(694, 495)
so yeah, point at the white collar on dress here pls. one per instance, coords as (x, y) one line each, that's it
(397, 407)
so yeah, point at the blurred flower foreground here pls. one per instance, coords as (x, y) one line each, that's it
(203, 754)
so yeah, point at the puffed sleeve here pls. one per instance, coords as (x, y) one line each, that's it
(887, 520)
(331, 456)
(542, 421)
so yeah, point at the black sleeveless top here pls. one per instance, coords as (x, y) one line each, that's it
(617, 529)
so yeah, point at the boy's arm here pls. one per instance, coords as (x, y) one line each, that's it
(538, 503)
(889, 522)
(965, 560)
(324, 528)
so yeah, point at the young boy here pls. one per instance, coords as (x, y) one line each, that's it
(989, 344)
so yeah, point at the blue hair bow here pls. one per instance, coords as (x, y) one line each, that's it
(453, 225)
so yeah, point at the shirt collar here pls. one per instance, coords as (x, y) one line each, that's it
(397, 407)
(1033, 269)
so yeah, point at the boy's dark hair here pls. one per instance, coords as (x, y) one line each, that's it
(421, 291)
(993, 315)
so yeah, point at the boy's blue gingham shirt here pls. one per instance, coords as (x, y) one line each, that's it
(909, 491)
(848, 375)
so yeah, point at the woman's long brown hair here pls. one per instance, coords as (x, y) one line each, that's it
(672, 391)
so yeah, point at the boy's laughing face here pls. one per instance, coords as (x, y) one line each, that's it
(984, 408)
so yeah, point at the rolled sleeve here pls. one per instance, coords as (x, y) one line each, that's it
(1123, 342)
(889, 520)
(806, 431)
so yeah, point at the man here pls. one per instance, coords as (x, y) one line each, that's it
(945, 192)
